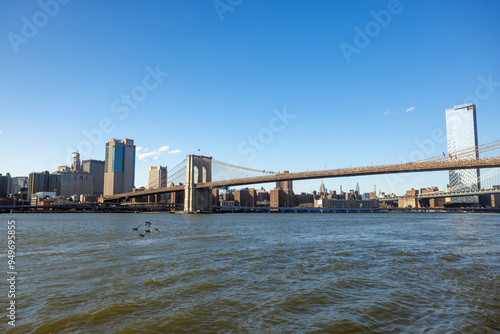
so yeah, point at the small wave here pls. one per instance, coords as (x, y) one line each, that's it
(450, 257)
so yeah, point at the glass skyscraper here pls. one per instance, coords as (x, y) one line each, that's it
(461, 130)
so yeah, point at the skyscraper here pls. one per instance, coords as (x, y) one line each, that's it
(44, 182)
(119, 166)
(96, 169)
(461, 130)
(285, 185)
(322, 188)
(157, 177)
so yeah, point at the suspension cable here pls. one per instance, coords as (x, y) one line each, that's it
(240, 167)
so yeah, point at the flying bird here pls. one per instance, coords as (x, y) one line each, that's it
(148, 224)
(141, 236)
(136, 228)
(151, 230)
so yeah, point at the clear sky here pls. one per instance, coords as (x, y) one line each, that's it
(276, 85)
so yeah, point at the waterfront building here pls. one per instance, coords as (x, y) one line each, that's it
(262, 195)
(5, 185)
(43, 182)
(409, 200)
(119, 166)
(75, 183)
(285, 185)
(438, 202)
(96, 169)
(350, 203)
(19, 188)
(228, 196)
(157, 177)
(461, 132)
(282, 198)
(495, 198)
(73, 180)
(215, 197)
(36, 197)
(245, 197)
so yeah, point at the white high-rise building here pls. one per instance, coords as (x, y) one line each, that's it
(157, 177)
(461, 132)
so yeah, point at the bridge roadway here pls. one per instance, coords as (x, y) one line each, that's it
(409, 167)
(444, 194)
(441, 194)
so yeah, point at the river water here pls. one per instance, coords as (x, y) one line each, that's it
(255, 273)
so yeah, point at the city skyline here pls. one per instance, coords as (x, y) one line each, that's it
(270, 86)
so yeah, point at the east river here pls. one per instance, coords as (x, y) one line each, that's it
(254, 273)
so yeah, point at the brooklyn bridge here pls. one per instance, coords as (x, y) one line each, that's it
(199, 184)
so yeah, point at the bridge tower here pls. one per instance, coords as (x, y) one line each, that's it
(198, 170)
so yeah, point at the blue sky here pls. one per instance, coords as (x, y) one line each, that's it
(263, 84)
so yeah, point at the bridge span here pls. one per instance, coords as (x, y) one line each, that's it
(198, 177)
(409, 167)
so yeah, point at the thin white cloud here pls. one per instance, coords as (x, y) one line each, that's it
(410, 109)
(174, 152)
(389, 112)
(0, 134)
(164, 148)
(144, 154)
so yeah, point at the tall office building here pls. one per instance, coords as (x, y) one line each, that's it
(322, 188)
(44, 182)
(96, 169)
(157, 177)
(5, 185)
(285, 185)
(461, 130)
(119, 166)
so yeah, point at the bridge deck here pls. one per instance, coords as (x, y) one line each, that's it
(409, 167)
(358, 171)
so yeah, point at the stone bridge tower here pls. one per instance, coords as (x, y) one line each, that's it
(198, 170)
